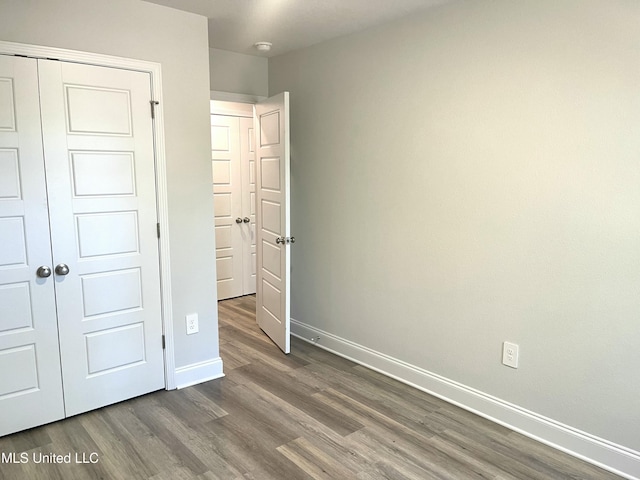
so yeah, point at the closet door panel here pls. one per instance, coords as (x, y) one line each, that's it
(30, 380)
(98, 144)
(227, 204)
(248, 162)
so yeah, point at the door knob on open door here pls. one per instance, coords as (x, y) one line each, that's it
(62, 269)
(43, 272)
(279, 240)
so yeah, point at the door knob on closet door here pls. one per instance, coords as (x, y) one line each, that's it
(246, 219)
(43, 272)
(238, 220)
(62, 269)
(279, 240)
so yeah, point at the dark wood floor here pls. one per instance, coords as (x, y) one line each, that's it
(306, 415)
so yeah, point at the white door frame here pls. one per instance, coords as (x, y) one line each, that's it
(154, 69)
(235, 97)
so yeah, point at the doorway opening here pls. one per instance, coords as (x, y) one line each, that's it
(251, 188)
(234, 192)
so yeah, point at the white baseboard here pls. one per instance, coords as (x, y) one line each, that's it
(198, 373)
(617, 459)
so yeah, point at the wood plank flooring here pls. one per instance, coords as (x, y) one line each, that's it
(308, 415)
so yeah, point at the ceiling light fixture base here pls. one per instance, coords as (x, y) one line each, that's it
(263, 46)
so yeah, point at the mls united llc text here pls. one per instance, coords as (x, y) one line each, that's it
(39, 457)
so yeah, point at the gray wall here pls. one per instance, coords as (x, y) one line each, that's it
(238, 73)
(469, 176)
(177, 40)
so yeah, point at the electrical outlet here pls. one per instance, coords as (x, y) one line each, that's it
(192, 323)
(510, 354)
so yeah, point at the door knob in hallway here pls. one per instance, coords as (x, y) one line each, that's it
(62, 269)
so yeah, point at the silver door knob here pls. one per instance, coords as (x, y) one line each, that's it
(246, 219)
(62, 269)
(238, 220)
(279, 240)
(43, 272)
(292, 240)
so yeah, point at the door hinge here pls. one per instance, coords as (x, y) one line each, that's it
(163, 343)
(153, 104)
(158, 229)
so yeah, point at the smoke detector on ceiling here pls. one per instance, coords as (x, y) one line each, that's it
(263, 46)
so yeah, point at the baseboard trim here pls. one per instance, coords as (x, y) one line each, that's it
(615, 458)
(198, 373)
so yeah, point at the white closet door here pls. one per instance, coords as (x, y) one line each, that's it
(227, 199)
(248, 165)
(273, 223)
(30, 381)
(98, 144)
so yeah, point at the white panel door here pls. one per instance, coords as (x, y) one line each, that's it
(227, 200)
(248, 167)
(98, 144)
(30, 381)
(272, 219)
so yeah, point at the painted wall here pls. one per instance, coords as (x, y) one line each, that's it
(177, 40)
(237, 73)
(469, 176)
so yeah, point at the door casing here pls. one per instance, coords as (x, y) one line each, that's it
(155, 72)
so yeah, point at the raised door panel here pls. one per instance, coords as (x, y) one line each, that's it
(248, 164)
(98, 144)
(98, 110)
(227, 205)
(102, 173)
(7, 96)
(272, 219)
(10, 188)
(30, 380)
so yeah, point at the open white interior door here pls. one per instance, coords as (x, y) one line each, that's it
(274, 239)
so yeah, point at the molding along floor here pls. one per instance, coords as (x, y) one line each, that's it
(614, 458)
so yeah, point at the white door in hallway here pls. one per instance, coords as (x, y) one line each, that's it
(248, 167)
(30, 376)
(273, 220)
(227, 199)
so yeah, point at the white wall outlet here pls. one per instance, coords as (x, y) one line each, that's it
(192, 323)
(510, 354)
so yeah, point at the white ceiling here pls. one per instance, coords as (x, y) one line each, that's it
(235, 25)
